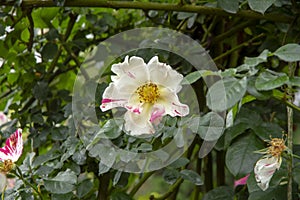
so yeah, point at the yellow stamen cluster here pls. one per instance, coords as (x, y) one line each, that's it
(148, 93)
(6, 166)
(277, 146)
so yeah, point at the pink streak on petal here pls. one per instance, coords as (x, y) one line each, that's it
(242, 181)
(5, 151)
(178, 113)
(181, 107)
(13, 146)
(136, 110)
(130, 75)
(107, 100)
(157, 115)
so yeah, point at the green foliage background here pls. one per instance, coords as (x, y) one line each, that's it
(255, 45)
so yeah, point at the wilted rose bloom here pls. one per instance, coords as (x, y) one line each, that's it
(264, 170)
(3, 118)
(242, 181)
(11, 152)
(147, 91)
(268, 164)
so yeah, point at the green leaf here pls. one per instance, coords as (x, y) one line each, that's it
(268, 81)
(178, 138)
(64, 182)
(192, 176)
(184, 15)
(110, 130)
(259, 5)
(220, 193)
(266, 130)
(170, 175)
(37, 118)
(12, 77)
(44, 170)
(52, 34)
(4, 50)
(232, 132)
(257, 60)
(295, 81)
(103, 168)
(260, 95)
(211, 126)
(28, 162)
(79, 157)
(192, 77)
(180, 162)
(49, 51)
(225, 93)
(41, 159)
(2, 30)
(145, 147)
(117, 177)
(67, 196)
(240, 156)
(40, 90)
(192, 20)
(289, 52)
(84, 187)
(231, 6)
(25, 35)
(42, 17)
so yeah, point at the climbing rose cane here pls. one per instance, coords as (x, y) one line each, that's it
(147, 91)
(269, 163)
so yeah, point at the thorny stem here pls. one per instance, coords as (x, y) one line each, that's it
(31, 30)
(103, 190)
(170, 191)
(140, 183)
(20, 175)
(249, 14)
(290, 140)
(232, 30)
(238, 47)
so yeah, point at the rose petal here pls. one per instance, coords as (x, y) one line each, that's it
(242, 181)
(112, 98)
(264, 170)
(163, 74)
(158, 111)
(3, 118)
(134, 69)
(13, 147)
(171, 103)
(139, 124)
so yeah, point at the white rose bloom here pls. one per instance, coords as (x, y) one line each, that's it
(264, 170)
(147, 91)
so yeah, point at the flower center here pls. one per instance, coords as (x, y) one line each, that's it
(6, 165)
(148, 93)
(277, 146)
